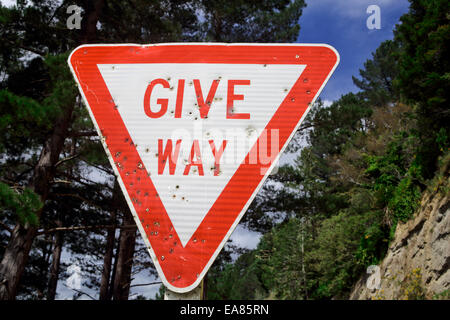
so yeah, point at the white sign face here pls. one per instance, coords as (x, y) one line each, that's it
(188, 194)
(192, 132)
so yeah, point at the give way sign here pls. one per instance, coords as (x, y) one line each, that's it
(192, 131)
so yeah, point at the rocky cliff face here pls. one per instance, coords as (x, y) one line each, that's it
(417, 264)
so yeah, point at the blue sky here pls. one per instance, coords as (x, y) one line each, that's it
(342, 24)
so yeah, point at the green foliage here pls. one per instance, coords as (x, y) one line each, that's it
(281, 259)
(424, 36)
(442, 138)
(378, 75)
(62, 91)
(271, 21)
(20, 119)
(237, 281)
(397, 187)
(27, 116)
(444, 295)
(441, 182)
(23, 203)
(336, 124)
(405, 200)
(160, 294)
(373, 245)
(271, 271)
(334, 255)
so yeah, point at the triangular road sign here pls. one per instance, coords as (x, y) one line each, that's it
(192, 132)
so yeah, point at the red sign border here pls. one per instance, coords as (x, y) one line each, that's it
(181, 269)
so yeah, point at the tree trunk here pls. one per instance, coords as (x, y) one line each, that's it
(113, 275)
(303, 260)
(89, 24)
(109, 252)
(54, 269)
(125, 254)
(107, 263)
(14, 259)
(18, 248)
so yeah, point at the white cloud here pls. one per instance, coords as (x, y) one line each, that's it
(245, 238)
(7, 3)
(327, 103)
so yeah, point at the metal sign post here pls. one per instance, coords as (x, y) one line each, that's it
(196, 294)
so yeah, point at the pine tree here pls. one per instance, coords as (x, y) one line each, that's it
(424, 36)
(377, 78)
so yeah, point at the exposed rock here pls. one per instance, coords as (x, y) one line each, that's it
(417, 264)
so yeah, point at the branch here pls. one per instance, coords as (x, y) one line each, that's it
(304, 127)
(21, 46)
(61, 181)
(66, 159)
(77, 196)
(83, 134)
(106, 170)
(311, 124)
(130, 226)
(86, 182)
(54, 13)
(80, 292)
(145, 284)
